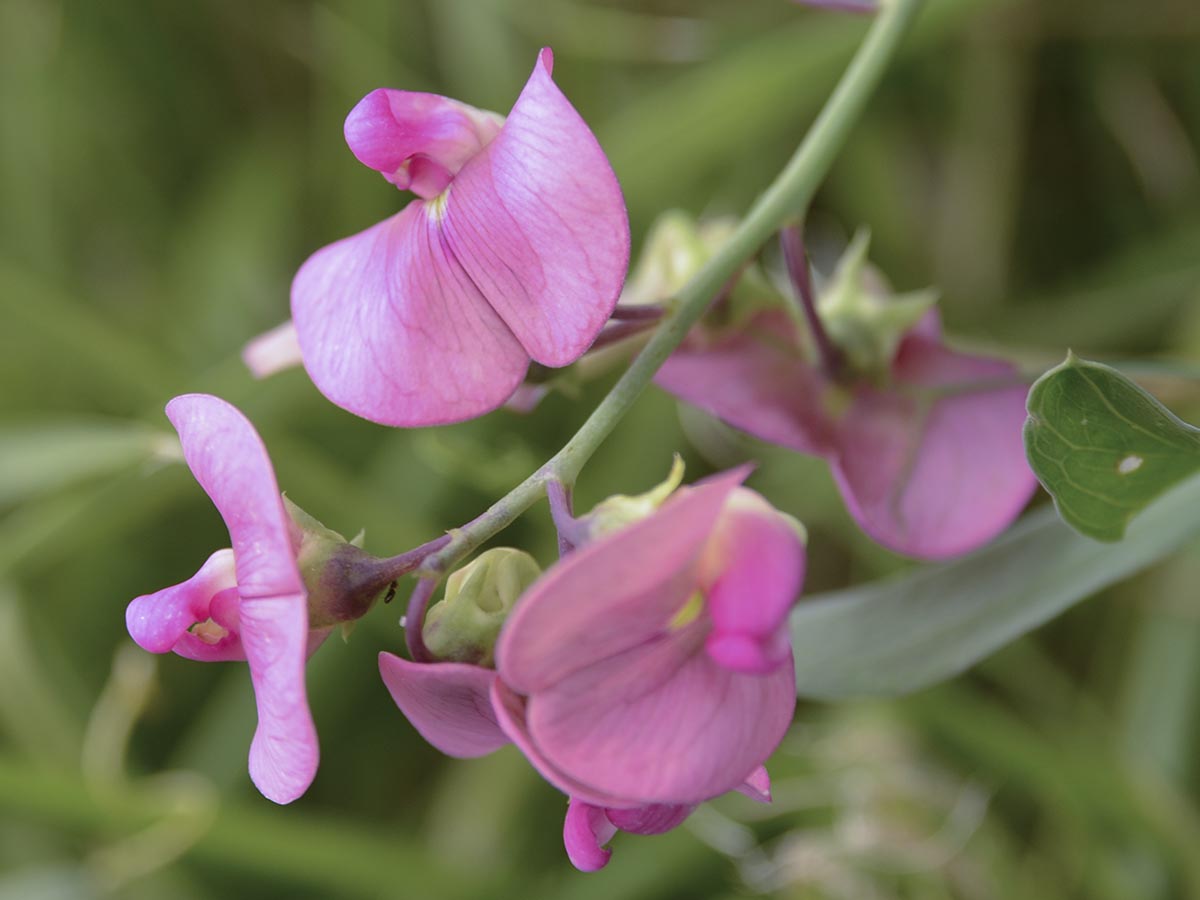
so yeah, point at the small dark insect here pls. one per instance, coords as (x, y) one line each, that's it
(387, 598)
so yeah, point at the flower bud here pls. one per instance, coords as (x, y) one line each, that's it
(463, 627)
(862, 317)
(620, 510)
(342, 580)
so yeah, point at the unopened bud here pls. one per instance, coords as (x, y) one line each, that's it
(343, 581)
(862, 317)
(463, 627)
(620, 510)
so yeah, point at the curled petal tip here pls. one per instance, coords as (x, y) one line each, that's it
(585, 832)
(747, 653)
(757, 786)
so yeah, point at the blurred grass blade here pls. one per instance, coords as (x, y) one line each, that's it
(32, 715)
(37, 315)
(40, 457)
(900, 635)
(1103, 447)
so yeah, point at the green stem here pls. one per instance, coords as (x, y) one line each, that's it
(787, 197)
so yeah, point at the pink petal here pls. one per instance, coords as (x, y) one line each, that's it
(448, 703)
(272, 351)
(393, 329)
(157, 621)
(756, 380)
(585, 832)
(661, 722)
(538, 222)
(510, 710)
(229, 460)
(612, 594)
(654, 818)
(223, 610)
(418, 141)
(757, 785)
(754, 566)
(283, 754)
(936, 481)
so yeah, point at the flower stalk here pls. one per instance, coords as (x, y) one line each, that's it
(785, 199)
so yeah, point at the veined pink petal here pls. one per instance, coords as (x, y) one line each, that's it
(157, 621)
(538, 222)
(448, 703)
(612, 594)
(393, 329)
(756, 380)
(654, 818)
(272, 351)
(283, 754)
(937, 477)
(509, 707)
(418, 141)
(752, 571)
(661, 722)
(586, 830)
(757, 786)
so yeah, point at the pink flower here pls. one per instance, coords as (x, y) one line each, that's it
(245, 603)
(516, 250)
(646, 672)
(930, 463)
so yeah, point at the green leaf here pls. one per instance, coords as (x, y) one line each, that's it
(1103, 447)
(896, 636)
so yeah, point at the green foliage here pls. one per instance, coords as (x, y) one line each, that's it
(1103, 447)
(898, 636)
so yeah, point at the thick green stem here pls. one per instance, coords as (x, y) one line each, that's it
(787, 197)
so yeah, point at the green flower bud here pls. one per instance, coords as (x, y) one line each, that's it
(464, 625)
(620, 510)
(342, 580)
(862, 317)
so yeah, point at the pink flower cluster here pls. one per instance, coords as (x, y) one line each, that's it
(645, 673)
(650, 669)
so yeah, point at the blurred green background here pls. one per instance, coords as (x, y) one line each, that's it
(164, 169)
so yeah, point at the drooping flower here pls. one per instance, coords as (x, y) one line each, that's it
(924, 441)
(270, 600)
(515, 250)
(646, 672)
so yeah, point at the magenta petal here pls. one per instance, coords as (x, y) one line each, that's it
(229, 460)
(612, 594)
(755, 380)
(754, 566)
(661, 722)
(393, 329)
(539, 224)
(585, 832)
(448, 703)
(654, 818)
(157, 621)
(418, 141)
(283, 754)
(510, 713)
(757, 786)
(937, 480)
